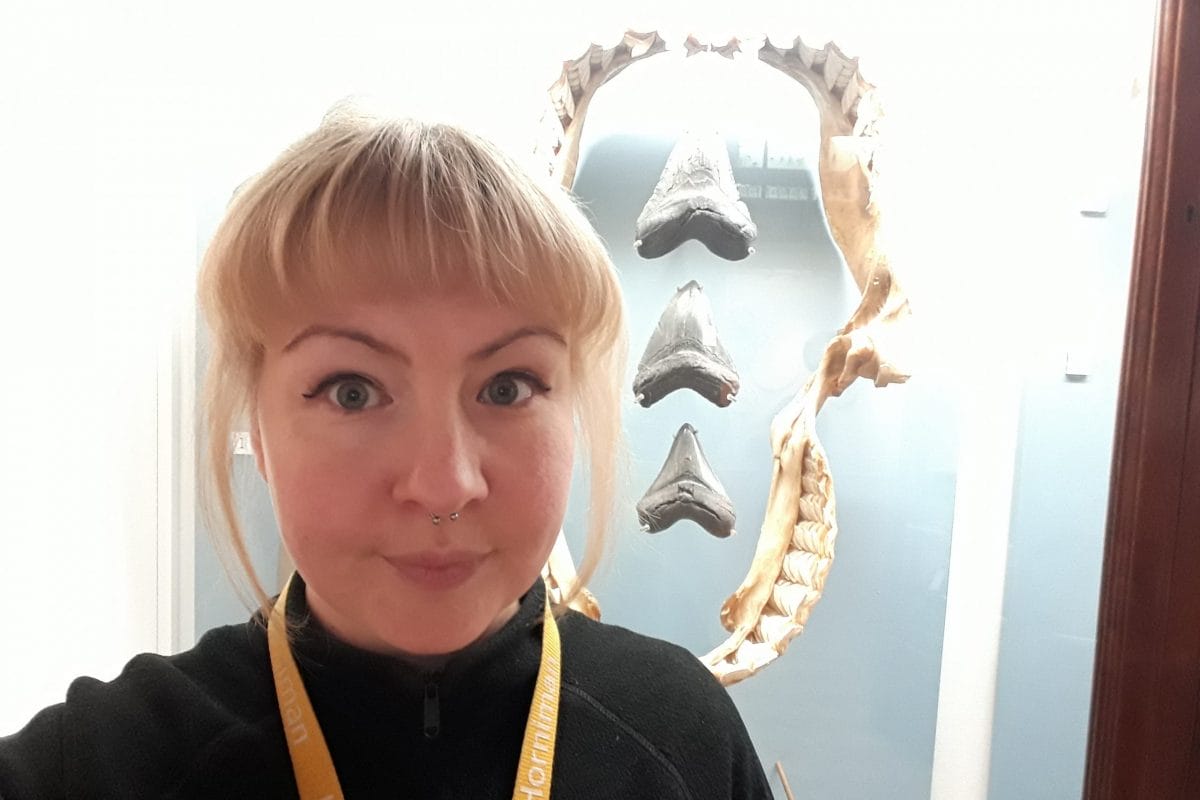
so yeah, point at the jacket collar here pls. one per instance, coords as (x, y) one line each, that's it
(504, 661)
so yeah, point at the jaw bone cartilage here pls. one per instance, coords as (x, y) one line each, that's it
(685, 352)
(687, 488)
(696, 198)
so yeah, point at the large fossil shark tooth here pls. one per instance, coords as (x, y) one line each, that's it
(696, 198)
(686, 488)
(684, 352)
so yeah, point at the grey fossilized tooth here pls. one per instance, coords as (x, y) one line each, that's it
(686, 488)
(685, 352)
(696, 198)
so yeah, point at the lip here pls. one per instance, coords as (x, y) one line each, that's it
(438, 570)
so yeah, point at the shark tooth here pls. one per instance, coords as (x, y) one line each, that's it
(686, 488)
(685, 352)
(696, 198)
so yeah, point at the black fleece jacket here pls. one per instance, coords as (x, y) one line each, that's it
(639, 718)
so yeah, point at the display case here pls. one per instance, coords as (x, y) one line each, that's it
(948, 649)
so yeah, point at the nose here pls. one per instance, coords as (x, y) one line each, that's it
(442, 464)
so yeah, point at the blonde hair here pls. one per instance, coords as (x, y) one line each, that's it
(365, 205)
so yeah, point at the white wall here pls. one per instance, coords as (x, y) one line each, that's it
(94, 224)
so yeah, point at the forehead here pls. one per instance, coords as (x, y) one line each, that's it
(442, 321)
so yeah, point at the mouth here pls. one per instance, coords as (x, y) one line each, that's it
(437, 570)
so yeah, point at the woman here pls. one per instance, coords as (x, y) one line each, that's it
(414, 333)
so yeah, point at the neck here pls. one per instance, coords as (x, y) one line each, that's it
(435, 661)
(331, 621)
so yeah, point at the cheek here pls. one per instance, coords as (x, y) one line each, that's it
(320, 493)
(550, 479)
(536, 482)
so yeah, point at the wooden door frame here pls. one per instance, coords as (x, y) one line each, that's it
(1144, 739)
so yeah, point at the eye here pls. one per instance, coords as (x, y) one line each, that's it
(511, 388)
(349, 393)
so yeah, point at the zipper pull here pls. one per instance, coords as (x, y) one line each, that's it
(433, 714)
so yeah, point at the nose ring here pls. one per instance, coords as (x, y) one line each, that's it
(437, 518)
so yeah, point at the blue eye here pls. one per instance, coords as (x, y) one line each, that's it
(348, 392)
(511, 388)
(352, 396)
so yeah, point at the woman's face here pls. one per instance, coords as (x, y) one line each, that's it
(374, 416)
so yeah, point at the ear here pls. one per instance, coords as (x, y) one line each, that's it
(256, 445)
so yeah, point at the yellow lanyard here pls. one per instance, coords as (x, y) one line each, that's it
(312, 764)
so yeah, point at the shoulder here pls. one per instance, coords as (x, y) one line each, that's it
(214, 683)
(662, 697)
(146, 729)
(615, 661)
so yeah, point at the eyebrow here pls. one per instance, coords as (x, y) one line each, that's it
(386, 349)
